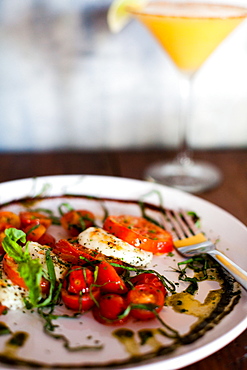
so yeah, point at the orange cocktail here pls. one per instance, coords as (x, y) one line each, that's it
(189, 32)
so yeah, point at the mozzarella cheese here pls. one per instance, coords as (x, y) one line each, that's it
(97, 239)
(38, 251)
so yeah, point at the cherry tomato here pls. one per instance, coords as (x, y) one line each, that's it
(7, 217)
(140, 233)
(30, 217)
(80, 302)
(109, 280)
(110, 308)
(47, 239)
(145, 294)
(80, 279)
(10, 268)
(34, 231)
(149, 278)
(76, 221)
(78, 292)
(44, 286)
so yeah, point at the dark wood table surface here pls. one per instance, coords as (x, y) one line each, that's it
(231, 195)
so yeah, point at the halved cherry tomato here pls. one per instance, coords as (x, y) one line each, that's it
(140, 233)
(149, 278)
(10, 268)
(147, 295)
(34, 231)
(30, 217)
(80, 279)
(109, 280)
(10, 218)
(44, 286)
(47, 239)
(76, 221)
(80, 302)
(110, 309)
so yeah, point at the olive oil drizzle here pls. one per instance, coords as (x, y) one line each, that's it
(216, 305)
(4, 329)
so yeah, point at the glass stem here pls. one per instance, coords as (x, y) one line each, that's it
(184, 156)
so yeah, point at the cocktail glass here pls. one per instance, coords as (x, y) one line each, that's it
(189, 31)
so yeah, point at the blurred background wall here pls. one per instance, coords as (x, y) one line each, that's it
(67, 82)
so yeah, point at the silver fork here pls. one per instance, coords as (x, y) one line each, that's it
(190, 241)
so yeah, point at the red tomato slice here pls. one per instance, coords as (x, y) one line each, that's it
(109, 280)
(110, 308)
(30, 217)
(149, 278)
(72, 251)
(80, 302)
(140, 233)
(76, 221)
(145, 294)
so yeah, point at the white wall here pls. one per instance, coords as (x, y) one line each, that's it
(67, 82)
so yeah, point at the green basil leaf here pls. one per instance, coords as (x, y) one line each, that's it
(31, 272)
(10, 245)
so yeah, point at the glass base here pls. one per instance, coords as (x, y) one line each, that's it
(194, 177)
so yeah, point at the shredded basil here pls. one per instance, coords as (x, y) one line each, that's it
(197, 264)
(67, 206)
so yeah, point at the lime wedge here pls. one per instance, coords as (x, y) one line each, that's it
(118, 17)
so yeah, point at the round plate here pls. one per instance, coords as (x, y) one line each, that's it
(217, 224)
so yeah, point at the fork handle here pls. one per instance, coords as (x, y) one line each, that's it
(236, 271)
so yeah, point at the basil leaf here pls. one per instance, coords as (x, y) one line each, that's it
(10, 245)
(31, 272)
(52, 279)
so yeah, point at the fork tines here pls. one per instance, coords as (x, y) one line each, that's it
(179, 224)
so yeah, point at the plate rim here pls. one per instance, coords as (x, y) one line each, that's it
(220, 342)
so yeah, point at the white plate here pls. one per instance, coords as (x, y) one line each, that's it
(215, 222)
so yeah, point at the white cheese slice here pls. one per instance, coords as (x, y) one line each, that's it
(38, 251)
(99, 240)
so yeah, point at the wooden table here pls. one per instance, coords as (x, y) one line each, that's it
(230, 195)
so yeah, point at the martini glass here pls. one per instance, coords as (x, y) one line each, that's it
(189, 32)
